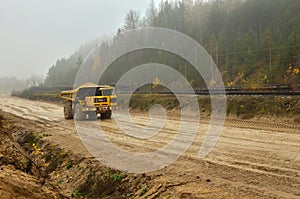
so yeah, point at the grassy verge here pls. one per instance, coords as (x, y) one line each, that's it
(40, 93)
(244, 107)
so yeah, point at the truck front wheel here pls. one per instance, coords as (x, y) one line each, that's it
(106, 115)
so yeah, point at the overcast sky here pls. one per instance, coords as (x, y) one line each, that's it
(35, 33)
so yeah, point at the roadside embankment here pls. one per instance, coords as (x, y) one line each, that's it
(32, 167)
(241, 107)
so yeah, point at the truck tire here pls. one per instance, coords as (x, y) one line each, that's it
(78, 113)
(106, 115)
(68, 113)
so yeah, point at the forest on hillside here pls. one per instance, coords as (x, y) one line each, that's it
(252, 42)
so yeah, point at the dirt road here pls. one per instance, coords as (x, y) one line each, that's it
(251, 159)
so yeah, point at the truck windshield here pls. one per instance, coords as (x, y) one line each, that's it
(108, 92)
(88, 92)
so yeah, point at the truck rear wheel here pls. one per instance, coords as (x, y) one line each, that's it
(79, 114)
(106, 115)
(68, 113)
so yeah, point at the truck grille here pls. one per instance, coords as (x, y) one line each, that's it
(99, 100)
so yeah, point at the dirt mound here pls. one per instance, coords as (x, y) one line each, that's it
(17, 184)
(34, 168)
(17, 179)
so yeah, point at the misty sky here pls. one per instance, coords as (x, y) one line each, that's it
(35, 33)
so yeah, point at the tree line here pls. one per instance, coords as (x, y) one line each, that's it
(252, 42)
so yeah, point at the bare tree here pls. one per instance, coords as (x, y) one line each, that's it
(132, 20)
(151, 14)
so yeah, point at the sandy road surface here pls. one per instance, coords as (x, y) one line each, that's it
(245, 163)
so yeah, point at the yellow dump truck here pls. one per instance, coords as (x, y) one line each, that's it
(89, 101)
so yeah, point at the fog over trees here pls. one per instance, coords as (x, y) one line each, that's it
(253, 42)
(12, 84)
